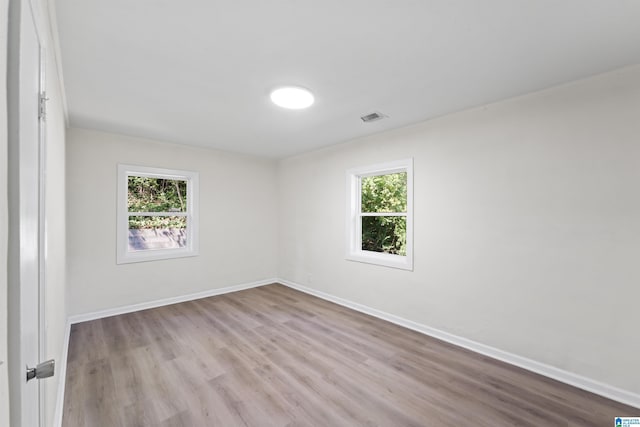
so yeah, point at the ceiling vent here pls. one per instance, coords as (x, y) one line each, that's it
(372, 117)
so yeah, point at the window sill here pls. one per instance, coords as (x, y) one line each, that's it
(144, 256)
(382, 259)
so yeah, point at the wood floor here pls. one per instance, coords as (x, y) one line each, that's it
(272, 356)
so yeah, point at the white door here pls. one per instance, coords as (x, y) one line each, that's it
(24, 186)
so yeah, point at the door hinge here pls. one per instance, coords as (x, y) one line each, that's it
(42, 106)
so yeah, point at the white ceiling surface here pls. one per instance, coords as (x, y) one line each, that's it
(199, 72)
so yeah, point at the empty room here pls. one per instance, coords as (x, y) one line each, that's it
(339, 213)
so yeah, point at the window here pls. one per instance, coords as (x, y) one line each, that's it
(380, 214)
(157, 214)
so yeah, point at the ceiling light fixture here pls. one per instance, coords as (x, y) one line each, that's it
(292, 97)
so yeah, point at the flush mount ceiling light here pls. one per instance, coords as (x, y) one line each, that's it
(292, 97)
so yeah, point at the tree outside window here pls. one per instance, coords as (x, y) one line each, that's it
(380, 214)
(384, 211)
(157, 213)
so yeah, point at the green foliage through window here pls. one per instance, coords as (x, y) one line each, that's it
(156, 195)
(160, 222)
(385, 194)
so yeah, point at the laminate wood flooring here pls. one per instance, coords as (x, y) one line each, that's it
(273, 356)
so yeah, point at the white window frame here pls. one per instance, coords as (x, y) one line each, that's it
(354, 215)
(124, 256)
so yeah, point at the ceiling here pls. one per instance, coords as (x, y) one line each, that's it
(199, 72)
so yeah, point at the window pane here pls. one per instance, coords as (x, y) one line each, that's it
(384, 234)
(385, 193)
(157, 232)
(156, 194)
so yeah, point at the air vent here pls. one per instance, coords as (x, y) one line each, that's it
(372, 117)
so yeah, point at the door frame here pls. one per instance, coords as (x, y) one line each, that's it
(42, 229)
(19, 265)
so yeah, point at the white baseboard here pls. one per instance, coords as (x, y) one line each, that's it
(62, 377)
(166, 301)
(561, 375)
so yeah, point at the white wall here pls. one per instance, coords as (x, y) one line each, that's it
(237, 222)
(527, 226)
(4, 381)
